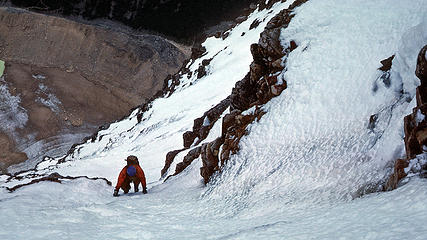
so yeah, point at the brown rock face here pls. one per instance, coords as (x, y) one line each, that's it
(415, 125)
(131, 66)
(68, 78)
(421, 70)
(258, 87)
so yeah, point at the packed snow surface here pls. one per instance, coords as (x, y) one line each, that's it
(304, 169)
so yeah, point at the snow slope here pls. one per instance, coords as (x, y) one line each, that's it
(300, 170)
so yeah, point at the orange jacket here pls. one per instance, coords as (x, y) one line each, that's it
(139, 174)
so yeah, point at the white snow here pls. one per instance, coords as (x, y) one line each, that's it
(416, 164)
(319, 148)
(300, 170)
(419, 117)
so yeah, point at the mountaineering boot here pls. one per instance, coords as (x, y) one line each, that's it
(135, 186)
(116, 193)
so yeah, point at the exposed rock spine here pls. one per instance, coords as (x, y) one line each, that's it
(258, 87)
(415, 128)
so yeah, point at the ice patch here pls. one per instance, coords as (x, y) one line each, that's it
(12, 115)
(47, 98)
(38, 77)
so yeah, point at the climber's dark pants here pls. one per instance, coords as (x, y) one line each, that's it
(126, 184)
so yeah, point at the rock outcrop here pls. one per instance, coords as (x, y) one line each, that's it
(65, 78)
(415, 126)
(258, 87)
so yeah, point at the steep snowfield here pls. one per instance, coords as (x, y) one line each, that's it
(301, 169)
(320, 147)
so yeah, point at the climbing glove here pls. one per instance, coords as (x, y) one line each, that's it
(116, 193)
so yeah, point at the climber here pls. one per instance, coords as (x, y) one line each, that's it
(132, 172)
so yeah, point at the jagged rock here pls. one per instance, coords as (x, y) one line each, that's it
(254, 24)
(421, 95)
(188, 159)
(206, 62)
(256, 70)
(415, 125)
(188, 137)
(200, 131)
(398, 174)
(276, 90)
(169, 159)
(228, 121)
(415, 131)
(386, 64)
(209, 154)
(421, 136)
(201, 71)
(257, 54)
(256, 88)
(237, 125)
(225, 35)
(270, 44)
(243, 94)
(277, 65)
(202, 125)
(385, 76)
(421, 70)
(197, 51)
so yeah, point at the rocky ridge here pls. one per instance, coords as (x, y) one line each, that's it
(259, 86)
(415, 126)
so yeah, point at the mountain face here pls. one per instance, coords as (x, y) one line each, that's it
(63, 79)
(181, 19)
(289, 125)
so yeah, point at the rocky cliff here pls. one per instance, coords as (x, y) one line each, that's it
(175, 18)
(64, 78)
(415, 126)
